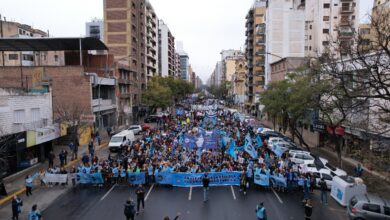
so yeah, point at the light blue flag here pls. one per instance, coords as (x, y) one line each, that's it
(278, 150)
(259, 141)
(248, 139)
(250, 150)
(237, 134)
(232, 151)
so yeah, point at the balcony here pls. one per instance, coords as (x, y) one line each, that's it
(347, 9)
(259, 73)
(125, 95)
(99, 105)
(345, 22)
(345, 32)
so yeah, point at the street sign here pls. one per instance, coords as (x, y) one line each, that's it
(319, 127)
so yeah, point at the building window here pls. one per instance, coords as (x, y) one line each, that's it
(325, 43)
(56, 58)
(310, 37)
(35, 114)
(19, 116)
(310, 48)
(310, 27)
(326, 18)
(325, 31)
(20, 31)
(326, 5)
(28, 57)
(13, 56)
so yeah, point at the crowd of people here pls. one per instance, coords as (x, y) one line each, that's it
(161, 149)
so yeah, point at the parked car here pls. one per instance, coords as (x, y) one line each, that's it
(301, 157)
(268, 134)
(368, 207)
(135, 128)
(151, 119)
(334, 171)
(320, 173)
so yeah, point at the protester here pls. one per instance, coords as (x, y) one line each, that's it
(34, 214)
(63, 157)
(140, 191)
(29, 185)
(324, 191)
(52, 156)
(308, 210)
(17, 205)
(129, 209)
(260, 212)
(243, 182)
(91, 148)
(358, 170)
(206, 182)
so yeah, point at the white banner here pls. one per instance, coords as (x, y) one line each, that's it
(55, 178)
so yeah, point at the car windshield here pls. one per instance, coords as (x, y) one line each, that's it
(116, 139)
(133, 128)
(330, 167)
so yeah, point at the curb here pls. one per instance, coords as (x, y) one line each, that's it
(71, 163)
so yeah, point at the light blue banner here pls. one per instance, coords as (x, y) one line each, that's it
(279, 181)
(216, 179)
(261, 179)
(87, 178)
(278, 150)
(164, 178)
(136, 178)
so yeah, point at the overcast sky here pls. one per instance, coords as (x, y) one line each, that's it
(204, 26)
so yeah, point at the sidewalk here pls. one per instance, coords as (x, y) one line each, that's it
(15, 184)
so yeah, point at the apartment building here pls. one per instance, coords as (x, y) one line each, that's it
(95, 29)
(255, 53)
(330, 24)
(167, 56)
(238, 82)
(177, 66)
(380, 20)
(285, 36)
(10, 29)
(152, 40)
(365, 38)
(124, 34)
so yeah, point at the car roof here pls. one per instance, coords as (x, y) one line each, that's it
(123, 133)
(371, 198)
(299, 152)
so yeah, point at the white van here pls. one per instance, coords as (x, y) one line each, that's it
(120, 139)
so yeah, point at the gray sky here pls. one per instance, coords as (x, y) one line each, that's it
(204, 26)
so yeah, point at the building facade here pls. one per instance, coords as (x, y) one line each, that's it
(255, 44)
(95, 29)
(27, 58)
(330, 22)
(184, 64)
(152, 40)
(281, 68)
(167, 56)
(124, 34)
(238, 82)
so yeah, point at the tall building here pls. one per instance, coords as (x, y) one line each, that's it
(166, 50)
(95, 28)
(10, 29)
(255, 52)
(285, 35)
(177, 66)
(184, 64)
(329, 22)
(238, 83)
(124, 34)
(229, 58)
(152, 47)
(365, 38)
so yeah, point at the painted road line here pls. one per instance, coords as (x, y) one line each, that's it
(190, 194)
(277, 196)
(105, 195)
(234, 195)
(150, 190)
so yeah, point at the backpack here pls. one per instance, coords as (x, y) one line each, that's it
(129, 209)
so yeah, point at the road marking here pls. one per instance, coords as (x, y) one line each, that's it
(190, 194)
(105, 195)
(277, 196)
(234, 195)
(150, 190)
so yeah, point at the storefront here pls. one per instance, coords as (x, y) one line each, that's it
(11, 146)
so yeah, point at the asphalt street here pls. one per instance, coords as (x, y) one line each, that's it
(226, 203)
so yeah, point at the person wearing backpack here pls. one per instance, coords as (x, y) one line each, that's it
(129, 210)
(260, 212)
(34, 214)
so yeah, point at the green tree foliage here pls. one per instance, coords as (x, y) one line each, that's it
(221, 91)
(162, 92)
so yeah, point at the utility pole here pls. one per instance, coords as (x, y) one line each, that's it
(1, 35)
